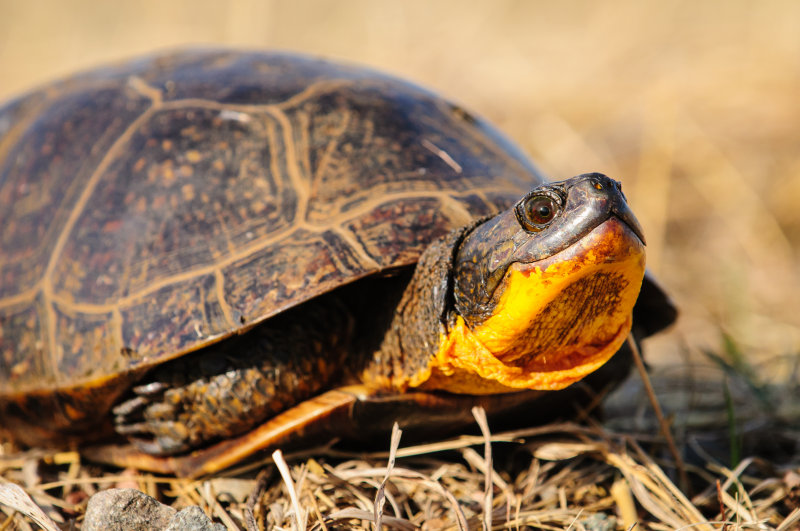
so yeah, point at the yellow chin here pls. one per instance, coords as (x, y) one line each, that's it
(555, 321)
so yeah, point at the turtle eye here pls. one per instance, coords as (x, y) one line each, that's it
(537, 211)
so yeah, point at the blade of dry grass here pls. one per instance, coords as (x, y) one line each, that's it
(792, 520)
(300, 517)
(480, 417)
(351, 513)
(380, 497)
(15, 497)
(621, 492)
(215, 509)
(665, 427)
(255, 495)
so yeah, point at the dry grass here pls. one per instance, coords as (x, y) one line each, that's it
(739, 469)
(561, 476)
(692, 104)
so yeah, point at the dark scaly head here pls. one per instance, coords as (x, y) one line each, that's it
(543, 292)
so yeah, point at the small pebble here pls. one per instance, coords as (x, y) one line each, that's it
(131, 509)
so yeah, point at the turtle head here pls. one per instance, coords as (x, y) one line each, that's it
(543, 292)
(548, 220)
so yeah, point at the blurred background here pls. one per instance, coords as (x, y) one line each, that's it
(695, 106)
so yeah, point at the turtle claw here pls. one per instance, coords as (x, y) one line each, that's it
(147, 446)
(129, 407)
(161, 446)
(140, 428)
(151, 389)
(149, 424)
(162, 438)
(145, 395)
(136, 408)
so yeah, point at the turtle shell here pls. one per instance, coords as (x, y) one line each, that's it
(152, 208)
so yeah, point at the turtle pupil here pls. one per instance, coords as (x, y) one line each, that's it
(543, 211)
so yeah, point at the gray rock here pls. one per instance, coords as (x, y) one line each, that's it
(599, 522)
(126, 509)
(130, 509)
(193, 518)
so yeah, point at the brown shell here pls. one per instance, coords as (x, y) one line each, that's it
(155, 207)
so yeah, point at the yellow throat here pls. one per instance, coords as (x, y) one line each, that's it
(554, 321)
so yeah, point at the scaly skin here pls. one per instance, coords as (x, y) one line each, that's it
(227, 389)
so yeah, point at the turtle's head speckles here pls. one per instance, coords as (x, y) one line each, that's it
(544, 292)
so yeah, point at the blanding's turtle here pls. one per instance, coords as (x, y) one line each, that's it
(211, 252)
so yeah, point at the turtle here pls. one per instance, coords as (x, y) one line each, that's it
(206, 253)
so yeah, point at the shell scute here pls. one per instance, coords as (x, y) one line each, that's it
(177, 316)
(44, 175)
(23, 350)
(299, 266)
(83, 343)
(185, 191)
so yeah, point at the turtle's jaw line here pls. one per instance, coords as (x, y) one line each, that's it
(626, 216)
(613, 240)
(554, 321)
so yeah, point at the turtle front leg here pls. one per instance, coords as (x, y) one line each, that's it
(230, 387)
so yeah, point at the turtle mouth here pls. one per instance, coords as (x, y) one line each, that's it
(555, 320)
(615, 240)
